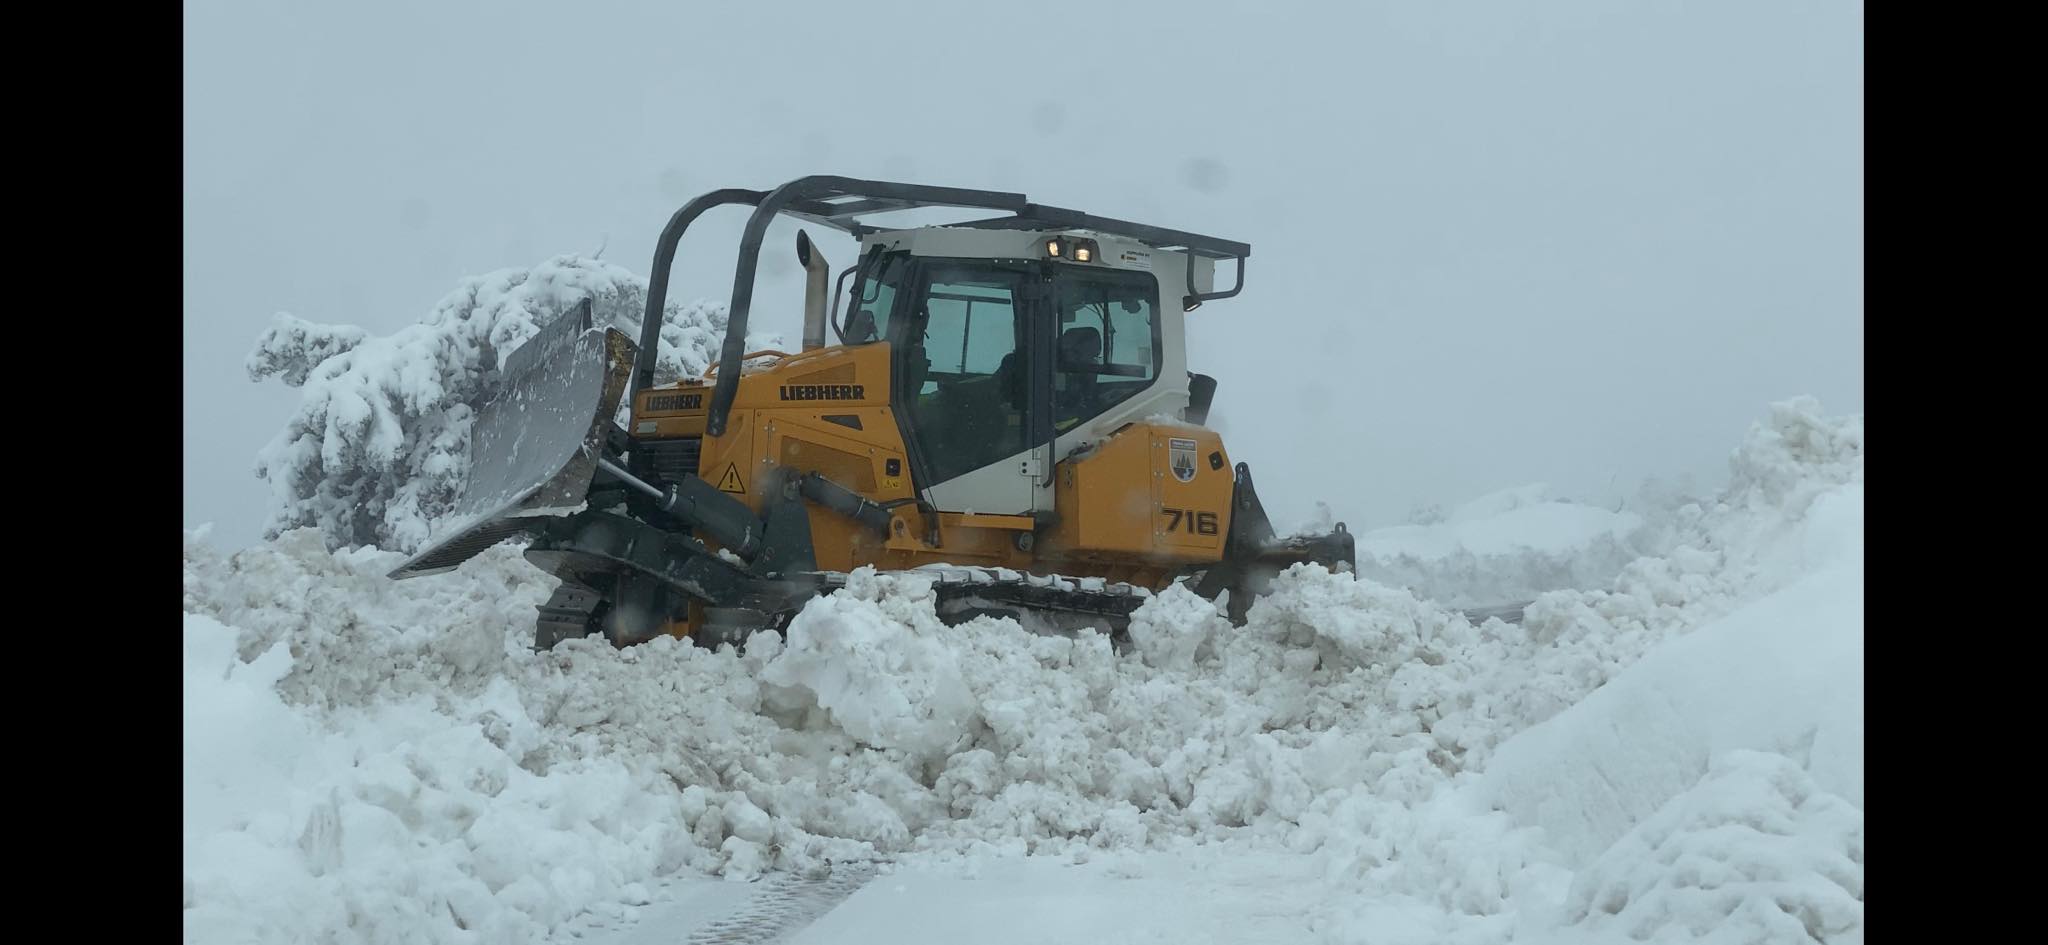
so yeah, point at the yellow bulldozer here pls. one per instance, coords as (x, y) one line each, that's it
(1005, 407)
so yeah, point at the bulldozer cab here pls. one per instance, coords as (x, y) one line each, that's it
(1012, 348)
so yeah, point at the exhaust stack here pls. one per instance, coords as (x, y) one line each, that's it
(816, 273)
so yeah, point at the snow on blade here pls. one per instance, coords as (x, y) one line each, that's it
(369, 760)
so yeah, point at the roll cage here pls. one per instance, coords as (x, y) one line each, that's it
(840, 203)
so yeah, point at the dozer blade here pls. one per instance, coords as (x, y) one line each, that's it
(535, 445)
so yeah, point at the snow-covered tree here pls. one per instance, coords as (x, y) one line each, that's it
(379, 447)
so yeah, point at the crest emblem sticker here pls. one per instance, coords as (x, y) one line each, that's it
(1180, 457)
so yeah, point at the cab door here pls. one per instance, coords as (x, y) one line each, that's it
(967, 357)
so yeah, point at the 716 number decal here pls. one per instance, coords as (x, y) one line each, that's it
(1189, 520)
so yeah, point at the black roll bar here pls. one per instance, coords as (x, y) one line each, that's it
(657, 280)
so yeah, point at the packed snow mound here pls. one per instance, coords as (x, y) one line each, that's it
(393, 822)
(379, 447)
(438, 781)
(1755, 851)
(220, 779)
(1783, 674)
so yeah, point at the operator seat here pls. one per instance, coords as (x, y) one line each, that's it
(1080, 352)
(860, 328)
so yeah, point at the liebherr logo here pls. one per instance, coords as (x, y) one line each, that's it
(823, 392)
(663, 402)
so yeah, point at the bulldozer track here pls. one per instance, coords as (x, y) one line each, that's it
(568, 613)
(1045, 593)
(784, 906)
(1085, 596)
(961, 591)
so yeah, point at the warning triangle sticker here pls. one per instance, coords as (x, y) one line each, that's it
(730, 482)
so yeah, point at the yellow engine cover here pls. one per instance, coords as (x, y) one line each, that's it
(824, 411)
(1154, 491)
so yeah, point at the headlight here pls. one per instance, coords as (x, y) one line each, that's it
(1071, 247)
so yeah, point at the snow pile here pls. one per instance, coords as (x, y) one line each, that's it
(379, 447)
(392, 819)
(1517, 543)
(1525, 517)
(1447, 775)
(1712, 787)
(1782, 674)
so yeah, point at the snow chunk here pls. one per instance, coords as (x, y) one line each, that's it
(1352, 622)
(1170, 628)
(870, 655)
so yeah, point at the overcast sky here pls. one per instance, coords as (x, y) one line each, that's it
(1495, 243)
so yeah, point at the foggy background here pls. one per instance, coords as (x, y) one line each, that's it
(1578, 242)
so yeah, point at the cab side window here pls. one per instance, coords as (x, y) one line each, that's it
(867, 313)
(1108, 344)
